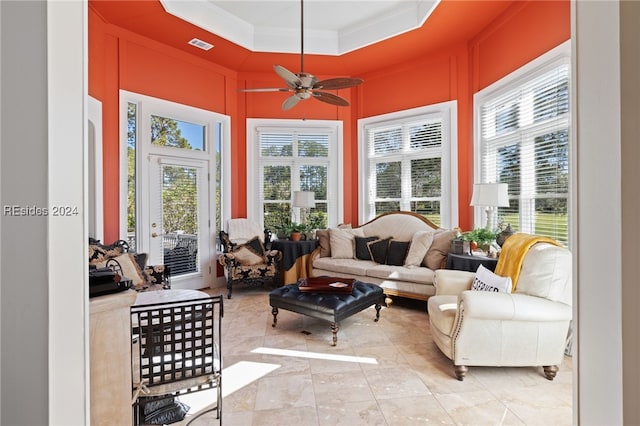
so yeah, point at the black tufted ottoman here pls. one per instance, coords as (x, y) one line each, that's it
(325, 306)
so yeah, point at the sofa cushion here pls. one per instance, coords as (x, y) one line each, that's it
(343, 266)
(546, 272)
(420, 243)
(362, 249)
(324, 242)
(419, 275)
(439, 249)
(378, 249)
(485, 280)
(342, 243)
(397, 252)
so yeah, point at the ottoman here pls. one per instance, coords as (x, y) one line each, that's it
(326, 306)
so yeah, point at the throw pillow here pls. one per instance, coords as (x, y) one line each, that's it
(245, 255)
(439, 249)
(324, 242)
(341, 241)
(420, 243)
(397, 252)
(99, 253)
(378, 250)
(362, 250)
(256, 245)
(129, 266)
(485, 280)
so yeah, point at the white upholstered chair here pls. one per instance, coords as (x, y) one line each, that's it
(528, 327)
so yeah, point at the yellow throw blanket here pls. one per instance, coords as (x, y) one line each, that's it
(512, 255)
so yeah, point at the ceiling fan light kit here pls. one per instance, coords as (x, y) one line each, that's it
(304, 85)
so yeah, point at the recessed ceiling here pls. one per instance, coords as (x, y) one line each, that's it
(330, 27)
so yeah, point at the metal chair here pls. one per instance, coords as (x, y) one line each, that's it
(176, 350)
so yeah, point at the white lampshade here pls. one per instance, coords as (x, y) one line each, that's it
(490, 195)
(304, 199)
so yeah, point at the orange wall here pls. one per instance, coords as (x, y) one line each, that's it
(119, 59)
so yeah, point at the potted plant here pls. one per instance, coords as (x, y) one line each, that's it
(480, 238)
(294, 230)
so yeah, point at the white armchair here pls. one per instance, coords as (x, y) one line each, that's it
(525, 328)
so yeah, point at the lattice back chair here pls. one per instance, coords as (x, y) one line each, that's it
(176, 349)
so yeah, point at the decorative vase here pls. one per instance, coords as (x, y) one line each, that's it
(506, 233)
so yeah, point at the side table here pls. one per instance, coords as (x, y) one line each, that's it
(468, 262)
(294, 258)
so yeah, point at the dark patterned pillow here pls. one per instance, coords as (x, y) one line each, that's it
(397, 252)
(362, 250)
(255, 245)
(156, 274)
(378, 250)
(99, 253)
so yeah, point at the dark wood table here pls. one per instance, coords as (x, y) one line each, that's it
(468, 262)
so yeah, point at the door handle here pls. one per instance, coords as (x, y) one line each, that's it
(154, 235)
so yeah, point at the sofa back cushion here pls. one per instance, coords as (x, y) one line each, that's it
(546, 272)
(439, 249)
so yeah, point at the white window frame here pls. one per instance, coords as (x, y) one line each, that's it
(561, 54)
(180, 112)
(333, 128)
(447, 111)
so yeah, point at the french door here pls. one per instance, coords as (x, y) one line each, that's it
(170, 185)
(178, 226)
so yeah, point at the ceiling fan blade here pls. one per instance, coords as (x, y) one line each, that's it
(267, 89)
(330, 98)
(290, 102)
(337, 83)
(290, 78)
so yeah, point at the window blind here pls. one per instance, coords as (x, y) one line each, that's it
(524, 142)
(290, 161)
(405, 166)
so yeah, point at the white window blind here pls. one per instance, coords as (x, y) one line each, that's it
(405, 166)
(524, 142)
(292, 160)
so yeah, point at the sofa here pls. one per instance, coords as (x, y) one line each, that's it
(399, 251)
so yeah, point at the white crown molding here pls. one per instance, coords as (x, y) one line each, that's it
(406, 16)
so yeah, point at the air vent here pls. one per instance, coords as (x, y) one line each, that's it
(200, 44)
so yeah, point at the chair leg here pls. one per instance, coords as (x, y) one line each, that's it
(550, 371)
(460, 371)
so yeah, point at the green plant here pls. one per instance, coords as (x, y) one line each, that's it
(481, 236)
(295, 227)
(317, 220)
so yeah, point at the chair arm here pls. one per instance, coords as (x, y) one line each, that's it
(515, 307)
(451, 283)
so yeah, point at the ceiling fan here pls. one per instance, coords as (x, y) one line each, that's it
(304, 85)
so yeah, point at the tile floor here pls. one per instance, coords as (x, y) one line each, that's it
(380, 373)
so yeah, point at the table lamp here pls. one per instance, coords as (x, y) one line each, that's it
(491, 196)
(304, 200)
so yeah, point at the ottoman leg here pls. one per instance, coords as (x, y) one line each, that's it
(274, 311)
(334, 329)
(378, 306)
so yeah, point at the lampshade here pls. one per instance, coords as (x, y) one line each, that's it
(305, 199)
(490, 195)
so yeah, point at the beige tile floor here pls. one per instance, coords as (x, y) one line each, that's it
(381, 373)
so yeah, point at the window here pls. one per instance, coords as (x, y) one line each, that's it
(405, 164)
(287, 156)
(523, 128)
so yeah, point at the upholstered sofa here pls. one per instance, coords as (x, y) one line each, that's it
(398, 251)
(131, 265)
